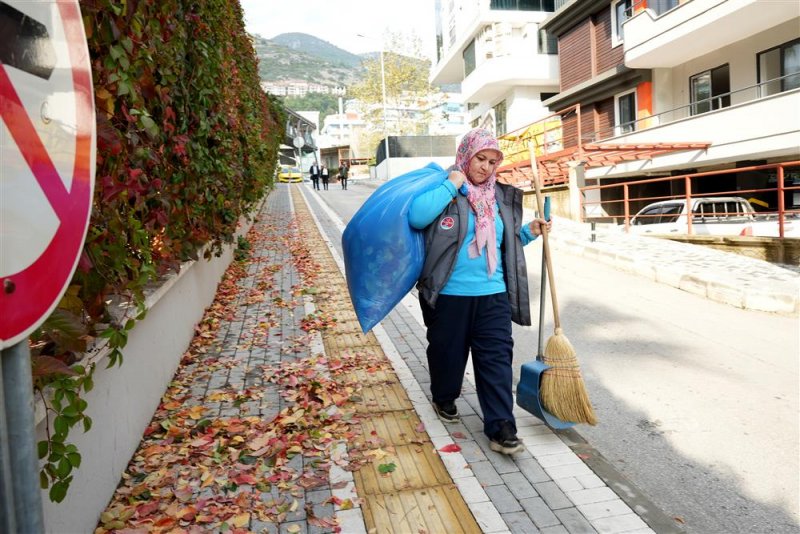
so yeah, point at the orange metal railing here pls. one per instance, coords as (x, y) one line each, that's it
(620, 197)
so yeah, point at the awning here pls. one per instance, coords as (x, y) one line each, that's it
(554, 168)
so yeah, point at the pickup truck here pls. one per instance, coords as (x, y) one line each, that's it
(710, 216)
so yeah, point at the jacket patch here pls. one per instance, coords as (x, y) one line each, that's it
(447, 223)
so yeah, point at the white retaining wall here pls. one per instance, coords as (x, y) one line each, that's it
(124, 398)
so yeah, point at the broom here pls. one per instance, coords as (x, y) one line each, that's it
(563, 392)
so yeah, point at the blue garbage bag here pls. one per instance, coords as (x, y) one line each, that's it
(383, 254)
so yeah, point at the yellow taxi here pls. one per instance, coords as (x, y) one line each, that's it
(289, 174)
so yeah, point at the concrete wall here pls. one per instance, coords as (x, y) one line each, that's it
(399, 166)
(124, 398)
(769, 249)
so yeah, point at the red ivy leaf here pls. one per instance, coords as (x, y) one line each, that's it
(450, 448)
(47, 365)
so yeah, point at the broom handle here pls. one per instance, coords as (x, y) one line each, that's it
(546, 248)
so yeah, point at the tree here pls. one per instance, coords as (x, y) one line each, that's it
(325, 104)
(409, 95)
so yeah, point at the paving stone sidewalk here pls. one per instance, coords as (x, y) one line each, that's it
(548, 488)
(224, 396)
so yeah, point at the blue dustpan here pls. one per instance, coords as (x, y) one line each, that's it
(530, 377)
(528, 397)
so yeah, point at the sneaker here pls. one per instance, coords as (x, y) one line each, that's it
(505, 441)
(446, 411)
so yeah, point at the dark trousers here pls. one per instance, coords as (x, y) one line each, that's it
(344, 182)
(324, 183)
(315, 182)
(481, 324)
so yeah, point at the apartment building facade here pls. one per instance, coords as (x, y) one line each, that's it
(505, 66)
(659, 88)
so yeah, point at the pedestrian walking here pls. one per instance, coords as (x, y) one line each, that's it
(313, 171)
(474, 284)
(325, 174)
(343, 171)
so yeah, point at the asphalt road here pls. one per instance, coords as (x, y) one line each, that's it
(697, 401)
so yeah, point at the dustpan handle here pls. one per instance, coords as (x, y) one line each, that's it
(546, 248)
(543, 289)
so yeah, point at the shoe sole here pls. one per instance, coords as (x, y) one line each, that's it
(496, 447)
(447, 418)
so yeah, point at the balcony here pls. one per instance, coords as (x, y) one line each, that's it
(469, 24)
(752, 123)
(496, 76)
(696, 28)
(751, 128)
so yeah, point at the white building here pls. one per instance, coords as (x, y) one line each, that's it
(726, 72)
(505, 65)
(341, 129)
(300, 88)
(665, 98)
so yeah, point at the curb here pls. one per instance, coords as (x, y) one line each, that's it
(711, 287)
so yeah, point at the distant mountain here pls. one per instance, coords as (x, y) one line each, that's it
(317, 47)
(298, 56)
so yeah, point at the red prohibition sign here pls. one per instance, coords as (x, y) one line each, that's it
(27, 297)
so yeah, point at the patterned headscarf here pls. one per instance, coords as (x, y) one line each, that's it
(480, 197)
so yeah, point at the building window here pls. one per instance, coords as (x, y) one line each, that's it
(548, 44)
(523, 5)
(620, 12)
(625, 113)
(779, 68)
(475, 123)
(469, 58)
(661, 6)
(710, 90)
(500, 118)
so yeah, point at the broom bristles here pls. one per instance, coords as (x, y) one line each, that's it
(563, 392)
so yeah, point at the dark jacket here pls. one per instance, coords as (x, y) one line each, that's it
(442, 246)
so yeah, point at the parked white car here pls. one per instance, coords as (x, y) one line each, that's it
(710, 216)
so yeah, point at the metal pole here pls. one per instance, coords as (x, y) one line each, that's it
(385, 128)
(18, 442)
(8, 519)
(781, 203)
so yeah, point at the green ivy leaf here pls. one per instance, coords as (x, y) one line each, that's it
(42, 448)
(61, 425)
(59, 490)
(386, 468)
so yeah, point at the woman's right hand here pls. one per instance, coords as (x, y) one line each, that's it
(456, 178)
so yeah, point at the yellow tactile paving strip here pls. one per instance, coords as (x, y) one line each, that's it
(418, 496)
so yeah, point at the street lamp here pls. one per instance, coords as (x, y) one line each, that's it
(383, 95)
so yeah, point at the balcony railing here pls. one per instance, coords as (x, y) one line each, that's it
(618, 202)
(723, 100)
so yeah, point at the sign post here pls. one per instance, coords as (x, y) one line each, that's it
(47, 146)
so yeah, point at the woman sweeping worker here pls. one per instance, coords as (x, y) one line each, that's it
(474, 284)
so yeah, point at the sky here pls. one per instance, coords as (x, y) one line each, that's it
(339, 21)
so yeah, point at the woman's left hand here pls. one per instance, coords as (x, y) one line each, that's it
(536, 226)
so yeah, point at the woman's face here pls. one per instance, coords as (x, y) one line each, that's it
(482, 165)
